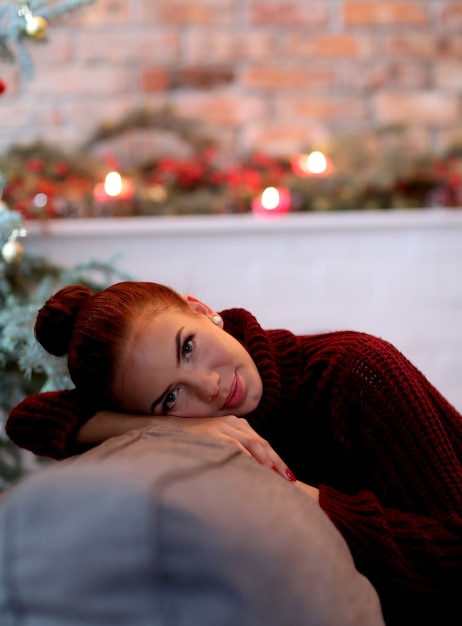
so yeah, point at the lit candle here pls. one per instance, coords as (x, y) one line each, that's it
(114, 192)
(114, 186)
(273, 201)
(314, 164)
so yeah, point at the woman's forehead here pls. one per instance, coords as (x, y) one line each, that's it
(158, 325)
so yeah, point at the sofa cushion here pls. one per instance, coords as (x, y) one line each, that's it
(158, 527)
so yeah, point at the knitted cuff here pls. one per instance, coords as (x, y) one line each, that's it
(46, 423)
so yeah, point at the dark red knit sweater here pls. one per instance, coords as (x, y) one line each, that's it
(351, 415)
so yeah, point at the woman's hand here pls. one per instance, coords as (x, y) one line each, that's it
(235, 430)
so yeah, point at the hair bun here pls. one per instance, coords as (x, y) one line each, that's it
(55, 320)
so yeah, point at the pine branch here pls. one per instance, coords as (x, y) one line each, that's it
(9, 221)
(63, 7)
(13, 35)
(163, 119)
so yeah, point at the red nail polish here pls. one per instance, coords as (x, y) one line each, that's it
(274, 468)
(290, 475)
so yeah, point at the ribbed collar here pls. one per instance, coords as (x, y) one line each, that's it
(244, 327)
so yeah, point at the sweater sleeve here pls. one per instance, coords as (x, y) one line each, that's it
(406, 544)
(419, 557)
(46, 423)
(387, 458)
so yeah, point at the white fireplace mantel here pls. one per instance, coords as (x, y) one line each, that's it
(247, 222)
(396, 274)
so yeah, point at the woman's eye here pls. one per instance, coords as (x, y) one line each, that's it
(169, 401)
(188, 346)
(171, 397)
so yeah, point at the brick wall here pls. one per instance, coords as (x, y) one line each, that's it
(277, 75)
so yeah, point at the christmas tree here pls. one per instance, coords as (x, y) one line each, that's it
(23, 22)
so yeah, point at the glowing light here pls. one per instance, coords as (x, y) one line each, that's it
(116, 192)
(270, 198)
(272, 201)
(40, 200)
(113, 184)
(315, 163)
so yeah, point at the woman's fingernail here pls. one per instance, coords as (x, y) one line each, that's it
(290, 475)
(274, 468)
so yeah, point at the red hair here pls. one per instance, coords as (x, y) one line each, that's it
(93, 330)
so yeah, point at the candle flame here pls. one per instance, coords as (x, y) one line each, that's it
(316, 162)
(270, 198)
(113, 184)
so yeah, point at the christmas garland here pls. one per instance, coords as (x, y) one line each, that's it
(374, 171)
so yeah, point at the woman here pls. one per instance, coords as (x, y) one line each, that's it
(352, 418)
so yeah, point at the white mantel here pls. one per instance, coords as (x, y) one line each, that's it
(396, 274)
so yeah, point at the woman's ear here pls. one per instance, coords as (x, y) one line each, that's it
(200, 307)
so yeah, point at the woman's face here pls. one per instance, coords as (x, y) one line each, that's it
(181, 363)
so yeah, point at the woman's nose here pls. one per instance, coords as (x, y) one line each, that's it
(208, 385)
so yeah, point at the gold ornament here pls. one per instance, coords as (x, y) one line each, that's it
(12, 251)
(36, 26)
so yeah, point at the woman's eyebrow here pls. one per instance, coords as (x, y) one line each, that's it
(178, 343)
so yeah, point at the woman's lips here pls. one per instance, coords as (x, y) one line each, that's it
(236, 393)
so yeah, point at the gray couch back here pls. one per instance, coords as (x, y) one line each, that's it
(161, 528)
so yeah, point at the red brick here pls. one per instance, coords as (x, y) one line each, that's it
(200, 77)
(10, 76)
(319, 108)
(229, 46)
(381, 12)
(412, 45)
(80, 80)
(279, 13)
(154, 79)
(448, 76)
(339, 45)
(121, 45)
(17, 115)
(388, 74)
(58, 49)
(427, 107)
(190, 12)
(104, 12)
(286, 77)
(431, 46)
(222, 108)
(450, 46)
(451, 14)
